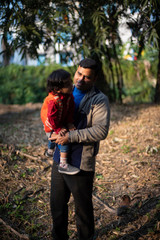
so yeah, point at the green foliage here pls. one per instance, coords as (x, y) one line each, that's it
(25, 25)
(138, 87)
(141, 92)
(136, 84)
(99, 176)
(126, 148)
(20, 85)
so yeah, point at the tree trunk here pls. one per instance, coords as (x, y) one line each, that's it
(101, 83)
(157, 90)
(112, 74)
(6, 57)
(119, 74)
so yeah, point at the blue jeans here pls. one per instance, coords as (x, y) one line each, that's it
(63, 148)
(51, 145)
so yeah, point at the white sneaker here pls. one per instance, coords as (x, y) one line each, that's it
(70, 170)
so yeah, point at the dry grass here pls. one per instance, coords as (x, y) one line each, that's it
(128, 164)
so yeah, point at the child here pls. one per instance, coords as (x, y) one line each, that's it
(57, 113)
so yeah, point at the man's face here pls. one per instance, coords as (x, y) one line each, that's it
(84, 78)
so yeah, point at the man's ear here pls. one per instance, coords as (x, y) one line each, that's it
(95, 79)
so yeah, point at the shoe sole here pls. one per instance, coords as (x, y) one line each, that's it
(68, 173)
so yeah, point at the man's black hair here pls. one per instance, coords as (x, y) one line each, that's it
(56, 79)
(89, 63)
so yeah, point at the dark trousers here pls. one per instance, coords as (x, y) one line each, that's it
(80, 185)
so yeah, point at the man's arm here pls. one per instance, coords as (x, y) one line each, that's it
(100, 124)
(98, 131)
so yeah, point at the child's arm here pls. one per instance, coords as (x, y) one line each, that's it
(63, 131)
(53, 116)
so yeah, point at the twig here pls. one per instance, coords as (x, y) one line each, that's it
(109, 209)
(20, 189)
(39, 190)
(46, 168)
(21, 236)
(26, 155)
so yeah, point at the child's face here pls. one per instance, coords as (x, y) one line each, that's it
(68, 86)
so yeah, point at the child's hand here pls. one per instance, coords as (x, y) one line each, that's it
(63, 139)
(62, 132)
(53, 136)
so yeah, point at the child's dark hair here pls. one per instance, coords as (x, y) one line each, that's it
(55, 80)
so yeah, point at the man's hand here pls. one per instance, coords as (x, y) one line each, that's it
(63, 139)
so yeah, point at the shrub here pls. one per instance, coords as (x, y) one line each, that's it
(20, 85)
(24, 84)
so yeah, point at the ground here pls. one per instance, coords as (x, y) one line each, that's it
(128, 163)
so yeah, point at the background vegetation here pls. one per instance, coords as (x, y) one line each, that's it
(24, 84)
(90, 29)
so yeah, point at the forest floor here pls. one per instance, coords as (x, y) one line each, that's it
(128, 163)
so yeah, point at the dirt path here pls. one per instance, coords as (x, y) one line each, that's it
(128, 164)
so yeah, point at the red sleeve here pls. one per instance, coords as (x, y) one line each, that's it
(53, 116)
(70, 114)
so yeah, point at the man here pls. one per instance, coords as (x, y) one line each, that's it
(92, 115)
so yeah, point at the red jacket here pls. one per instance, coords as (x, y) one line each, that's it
(57, 111)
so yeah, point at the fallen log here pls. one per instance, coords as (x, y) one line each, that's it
(26, 155)
(109, 209)
(21, 236)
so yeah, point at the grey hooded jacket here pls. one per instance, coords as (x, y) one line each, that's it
(92, 124)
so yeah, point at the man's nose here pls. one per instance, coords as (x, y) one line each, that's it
(81, 78)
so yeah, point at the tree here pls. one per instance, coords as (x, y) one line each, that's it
(90, 29)
(49, 22)
(146, 28)
(28, 24)
(99, 33)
